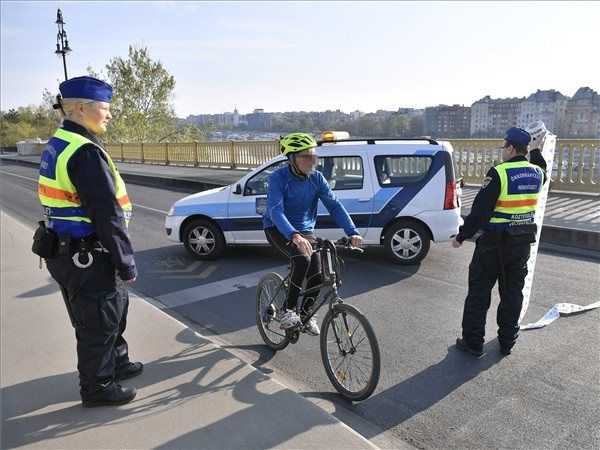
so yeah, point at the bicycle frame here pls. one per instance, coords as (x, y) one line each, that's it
(330, 273)
(341, 322)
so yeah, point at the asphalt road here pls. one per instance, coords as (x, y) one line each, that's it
(545, 395)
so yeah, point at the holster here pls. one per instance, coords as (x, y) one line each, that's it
(45, 242)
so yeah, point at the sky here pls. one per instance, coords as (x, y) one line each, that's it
(293, 56)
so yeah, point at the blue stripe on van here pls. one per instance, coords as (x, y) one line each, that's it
(256, 223)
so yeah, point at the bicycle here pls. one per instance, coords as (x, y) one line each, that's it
(344, 329)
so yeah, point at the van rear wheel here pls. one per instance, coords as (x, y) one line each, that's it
(407, 242)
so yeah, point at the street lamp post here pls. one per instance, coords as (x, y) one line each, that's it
(62, 43)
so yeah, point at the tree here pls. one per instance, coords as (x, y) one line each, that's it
(29, 122)
(11, 133)
(142, 94)
(188, 133)
(396, 126)
(12, 116)
(416, 126)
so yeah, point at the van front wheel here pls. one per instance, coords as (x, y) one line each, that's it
(203, 239)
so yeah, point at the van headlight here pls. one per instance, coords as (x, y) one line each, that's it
(171, 211)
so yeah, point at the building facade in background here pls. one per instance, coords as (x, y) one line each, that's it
(490, 118)
(583, 115)
(548, 106)
(259, 120)
(480, 117)
(577, 117)
(445, 121)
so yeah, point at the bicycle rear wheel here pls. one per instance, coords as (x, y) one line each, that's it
(350, 352)
(270, 298)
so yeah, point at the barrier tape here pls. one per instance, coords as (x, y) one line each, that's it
(548, 154)
(560, 309)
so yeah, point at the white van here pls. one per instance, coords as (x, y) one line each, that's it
(401, 194)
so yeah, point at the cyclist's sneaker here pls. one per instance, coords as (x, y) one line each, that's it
(312, 327)
(289, 319)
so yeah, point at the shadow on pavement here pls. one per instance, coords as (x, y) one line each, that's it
(170, 269)
(48, 289)
(419, 392)
(35, 410)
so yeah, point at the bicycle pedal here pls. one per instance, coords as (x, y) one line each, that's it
(293, 334)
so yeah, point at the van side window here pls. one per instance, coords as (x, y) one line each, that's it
(259, 183)
(342, 172)
(400, 170)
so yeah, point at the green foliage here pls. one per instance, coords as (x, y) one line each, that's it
(141, 106)
(28, 122)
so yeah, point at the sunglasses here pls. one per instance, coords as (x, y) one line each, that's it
(312, 157)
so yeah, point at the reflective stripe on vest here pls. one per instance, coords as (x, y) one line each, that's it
(520, 185)
(56, 191)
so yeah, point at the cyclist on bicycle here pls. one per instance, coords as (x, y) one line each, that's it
(289, 221)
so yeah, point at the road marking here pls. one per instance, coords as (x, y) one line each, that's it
(217, 288)
(19, 176)
(207, 272)
(24, 225)
(193, 266)
(135, 204)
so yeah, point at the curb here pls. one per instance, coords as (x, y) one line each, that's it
(586, 241)
(178, 184)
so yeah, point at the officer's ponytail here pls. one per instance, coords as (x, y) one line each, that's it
(59, 105)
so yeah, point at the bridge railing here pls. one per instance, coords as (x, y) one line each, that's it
(225, 154)
(576, 163)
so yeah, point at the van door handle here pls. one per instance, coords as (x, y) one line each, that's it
(363, 200)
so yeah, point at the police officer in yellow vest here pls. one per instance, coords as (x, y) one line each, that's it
(86, 205)
(504, 209)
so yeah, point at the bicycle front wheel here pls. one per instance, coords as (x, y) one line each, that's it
(350, 352)
(270, 298)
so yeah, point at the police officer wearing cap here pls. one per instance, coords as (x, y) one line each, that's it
(87, 208)
(504, 209)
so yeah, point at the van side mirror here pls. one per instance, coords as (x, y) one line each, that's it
(238, 189)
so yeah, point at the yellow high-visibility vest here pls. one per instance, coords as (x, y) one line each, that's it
(520, 186)
(56, 191)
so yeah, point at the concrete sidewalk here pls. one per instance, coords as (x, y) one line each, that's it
(192, 394)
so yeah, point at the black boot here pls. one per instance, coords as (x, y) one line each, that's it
(462, 345)
(128, 370)
(113, 395)
(505, 349)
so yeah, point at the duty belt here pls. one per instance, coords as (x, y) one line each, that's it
(84, 248)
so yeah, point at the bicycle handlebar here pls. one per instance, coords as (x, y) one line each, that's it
(344, 243)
